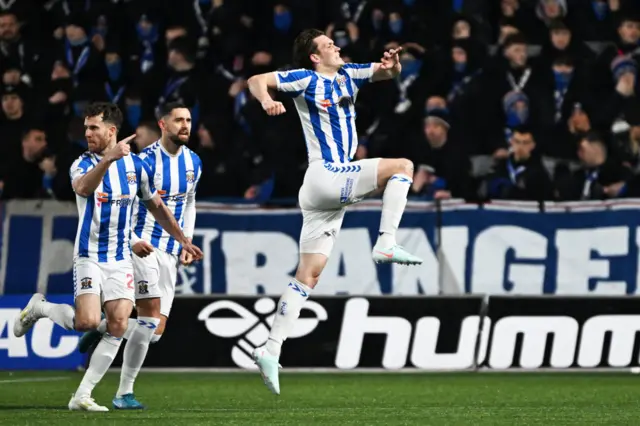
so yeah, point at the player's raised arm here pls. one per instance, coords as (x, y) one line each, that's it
(259, 86)
(389, 66)
(85, 183)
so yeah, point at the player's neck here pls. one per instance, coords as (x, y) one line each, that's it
(169, 146)
(326, 71)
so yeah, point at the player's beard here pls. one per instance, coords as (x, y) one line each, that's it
(175, 138)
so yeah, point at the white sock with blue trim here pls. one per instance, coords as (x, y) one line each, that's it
(101, 360)
(289, 307)
(135, 351)
(394, 200)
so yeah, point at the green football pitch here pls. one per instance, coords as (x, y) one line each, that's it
(334, 399)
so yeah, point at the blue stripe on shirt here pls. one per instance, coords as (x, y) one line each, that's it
(292, 76)
(105, 219)
(314, 115)
(347, 113)
(85, 231)
(156, 233)
(334, 119)
(122, 216)
(182, 189)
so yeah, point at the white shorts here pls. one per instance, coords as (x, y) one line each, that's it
(110, 281)
(156, 276)
(327, 189)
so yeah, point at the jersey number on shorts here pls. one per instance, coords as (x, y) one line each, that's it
(130, 281)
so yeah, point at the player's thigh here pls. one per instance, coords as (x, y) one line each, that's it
(333, 185)
(168, 266)
(119, 295)
(146, 271)
(320, 229)
(118, 312)
(87, 289)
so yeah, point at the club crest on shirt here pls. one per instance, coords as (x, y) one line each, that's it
(85, 283)
(132, 179)
(143, 287)
(191, 176)
(341, 80)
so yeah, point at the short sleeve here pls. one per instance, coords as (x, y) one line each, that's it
(294, 82)
(80, 167)
(146, 189)
(359, 73)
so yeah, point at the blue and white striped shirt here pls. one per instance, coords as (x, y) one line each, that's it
(326, 107)
(176, 178)
(105, 216)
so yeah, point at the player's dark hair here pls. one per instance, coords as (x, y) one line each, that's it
(304, 46)
(110, 113)
(166, 109)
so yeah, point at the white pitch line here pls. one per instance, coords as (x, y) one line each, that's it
(483, 370)
(35, 379)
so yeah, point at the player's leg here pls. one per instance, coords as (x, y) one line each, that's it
(317, 237)
(87, 281)
(118, 294)
(395, 176)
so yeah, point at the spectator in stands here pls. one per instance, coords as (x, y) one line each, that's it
(442, 169)
(600, 176)
(597, 21)
(520, 176)
(625, 78)
(547, 11)
(12, 124)
(26, 178)
(146, 134)
(626, 138)
(565, 114)
(85, 63)
(626, 46)
(561, 42)
(18, 57)
(512, 73)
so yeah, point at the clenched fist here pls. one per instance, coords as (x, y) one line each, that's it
(121, 149)
(142, 249)
(272, 107)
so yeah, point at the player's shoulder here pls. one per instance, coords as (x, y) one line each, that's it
(295, 74)
(150, 151)
(85, 157)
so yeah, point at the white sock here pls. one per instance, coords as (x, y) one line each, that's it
(100, 362)
(131, 325)
(394, 200)
(289, 307)
(102, 327)
(61, 314)
(135, 351)
(155, 338)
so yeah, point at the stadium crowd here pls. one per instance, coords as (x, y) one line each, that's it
(497, 99)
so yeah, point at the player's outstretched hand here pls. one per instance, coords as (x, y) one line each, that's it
(272, 107)
(142, 249)
(391, 58)
(121, 149)
(192, 250)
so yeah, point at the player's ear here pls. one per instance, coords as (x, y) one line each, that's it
(161, 124)
(314, 58)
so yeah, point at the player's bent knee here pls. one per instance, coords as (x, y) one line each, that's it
(148, 307)
(86, 323)
(405, 167)
(117, 326)
(161, 326)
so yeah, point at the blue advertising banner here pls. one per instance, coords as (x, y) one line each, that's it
(46, 346)
(497, 250)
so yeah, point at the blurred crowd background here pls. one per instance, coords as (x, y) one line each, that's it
(497, 99)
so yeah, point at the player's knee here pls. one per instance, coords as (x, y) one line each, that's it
(160, 328)
(309, 276)
(86, 323)
(117, 326)
(405, 167)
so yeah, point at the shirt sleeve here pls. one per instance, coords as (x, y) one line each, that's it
(190, 207)
(146, 189)
(293, 82)
(360, 73)
(80, 167)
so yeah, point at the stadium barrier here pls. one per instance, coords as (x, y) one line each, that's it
(497, 249)
(443, 333)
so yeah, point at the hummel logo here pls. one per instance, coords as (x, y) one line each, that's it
(298, 289)
(250, 329)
